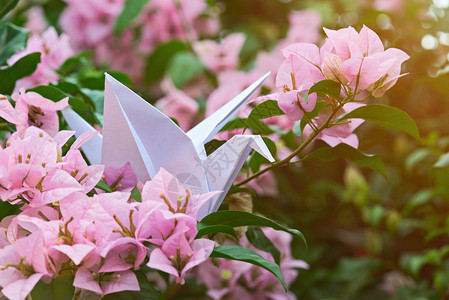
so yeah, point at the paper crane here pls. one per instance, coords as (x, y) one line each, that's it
(135, 131)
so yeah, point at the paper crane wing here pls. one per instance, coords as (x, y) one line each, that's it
(205, 130)
(224, 164)
(136, 131)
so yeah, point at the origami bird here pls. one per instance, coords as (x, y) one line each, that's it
(135, 131)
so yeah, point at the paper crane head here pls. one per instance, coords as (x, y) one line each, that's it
(135, 131)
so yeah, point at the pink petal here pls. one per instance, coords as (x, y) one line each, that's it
(114, 263)
(126, 281)
(20, 289)
(75, 252)
(159, 261)
(202, 248)
(84, 137)
(63, 136)
(7, 112)
(85, 280)
(339, 39)
(371, 41)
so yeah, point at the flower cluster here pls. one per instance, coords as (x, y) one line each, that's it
(357, 61)
(54, 51)
(227, 279)
(66, 224)
(99, 238)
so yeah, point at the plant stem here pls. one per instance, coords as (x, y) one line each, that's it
(294, 153)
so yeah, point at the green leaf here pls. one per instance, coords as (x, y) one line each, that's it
(147, 291)
(7, 209)
(236, 218)
(247, 255)
(386, 116)
(213, 145)
(160, 58)
(130, 11)
(235, 123)
(326, 87)
(12, 38)
(136, 195)
(345, 151)
(263, 110)
(76, 63)
(204, 229)
(183, 67)
(60, 288)
(6, 6)
(103, 186)
(259, 240)
(21, 68)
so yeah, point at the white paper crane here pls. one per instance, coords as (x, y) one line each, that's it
(135, 131)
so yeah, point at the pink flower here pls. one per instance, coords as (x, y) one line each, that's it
(220, 56)
(105, 283)
(363, 61)
(304, 27)
(33, 109)
(87, 175)
(164, 189)
(342, 133)
(89, 23)
(238, 280)
(120, 179)
(294, 105)
(177, 255)
(54, 51)
(36, 22)
(16, 285)
(164, 20)
(392, 6)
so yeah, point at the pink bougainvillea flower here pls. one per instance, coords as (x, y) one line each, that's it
(33, 109)
(105, 283)
(364, 61)
(304, 27)
(220, 56)
(17, 278)
(164, 20)
(294, 105)
(301, 68)
(177, 255)
(391, 68)
(120, 179)
(341, 133)
(54, 51)
(7, 111)
(227, 279)
(166, 189)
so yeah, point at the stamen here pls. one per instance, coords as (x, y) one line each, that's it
(170, 208)
(83, 177)
(292, 75)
